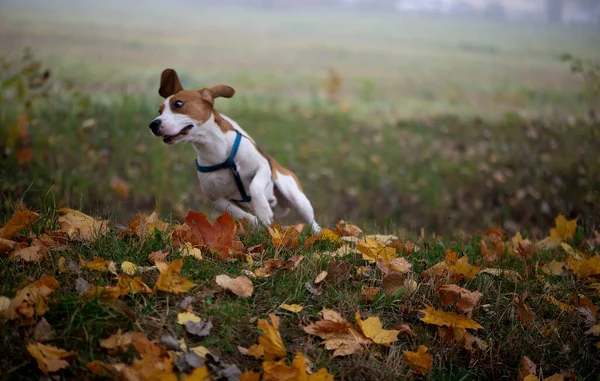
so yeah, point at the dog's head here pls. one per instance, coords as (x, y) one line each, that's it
(184, 112)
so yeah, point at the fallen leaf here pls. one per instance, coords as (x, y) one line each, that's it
(556, 377)
(241, 286)
(250, 376)
(339, 272)
(448, 319)
(437, 272)
(120, 187)
(526, 368)
(117, 343)
(129, 268)
(393, 282)
(80, 226)
(200, 328)
(158, 256)
(295, 308)
(43, 331)
(373, 329)
(594, 331)
(4, 303)
(30, 254)
(82, 286)
(49, 358)
(170, 280)
(368, 293)
(20, 220)
(321, 277)
(564, 230)
(270, 345)
(419, 361)
(373, 249)
(284, 238)
(561, 305)
(131, 286)
(30, 301)
(219, 237)
(199, 374)
(108, 294)
(312, 288)
(98, 264)
(184, 317)
(101, 369)
(142, 225)
(7, 245)
(465, 300)
(509, 274)
(585, 267)
(460, 268)
(269, 268)
(346, 230)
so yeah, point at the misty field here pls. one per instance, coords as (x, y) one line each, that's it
(471, 142)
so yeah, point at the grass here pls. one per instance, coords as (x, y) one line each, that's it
(81, 322)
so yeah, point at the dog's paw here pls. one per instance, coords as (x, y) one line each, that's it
(266, 218)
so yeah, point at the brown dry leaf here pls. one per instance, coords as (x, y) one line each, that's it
(338, 334)
(526, 367)
(368, 293)
(373, 329)
(101, 369)
(346, 230)
(241, 286)
(279, 371)
(170, 280)
(437, 272)
(270, 345)
(131, 286)
(585, 306)
(31, 300)
(339, 272)
(155, 363)
(342, 251)
(43, 331)
(322, 275)
(7, 245)
(563, 306)
(509, 274)
(465, 300)
(564, 230)
(284, 239)
(269, 268)
(30, 254)
(492, 245)
(447, 319)
(400, 265)
(419, 361)
(49, 358)
(108, 294)
(21, 219)
(120, 187)
(142, 225)
(462, 337)
(293, 262)
(80, 226)
(373, 249)
(556, 377)
(98, 264)
(219, 237)
(554, 268)
(524, 312)
(117, 343)
(158, 256)
(394, 282)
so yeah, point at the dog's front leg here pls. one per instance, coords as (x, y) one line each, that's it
(223, 205)
(260, 204)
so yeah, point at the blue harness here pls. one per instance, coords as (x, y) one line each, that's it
(230, 164)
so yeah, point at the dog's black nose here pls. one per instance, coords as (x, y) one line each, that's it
(154, 125)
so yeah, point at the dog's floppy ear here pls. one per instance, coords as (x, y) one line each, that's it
(215, 92)
(169, 83)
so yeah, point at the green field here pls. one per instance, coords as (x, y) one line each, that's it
(427, 122)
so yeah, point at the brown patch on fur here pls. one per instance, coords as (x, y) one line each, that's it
(277, 168)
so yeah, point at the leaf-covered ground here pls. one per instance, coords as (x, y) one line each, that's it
(83, 298)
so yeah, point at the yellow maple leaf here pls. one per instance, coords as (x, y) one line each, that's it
(49, 358)
(284, 238)
(199, 374)
(270, 345)
(373, 249)
(585, 267)
(565, 229)
(373, 329)
(295, 308)
(447, 319)
(460, 267)
(171, 281)
(419, 361)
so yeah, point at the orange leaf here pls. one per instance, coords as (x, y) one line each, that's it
(142, 226)
(270, 345)
(20, 220)
(218, 237)
(169, 279)
(465, 299)
(346, 230)
(120, 187)
(132, 286)
(419, 361)
(49, 358)
(284, 238)
(24, 155)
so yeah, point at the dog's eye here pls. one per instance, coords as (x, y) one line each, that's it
(178, 104)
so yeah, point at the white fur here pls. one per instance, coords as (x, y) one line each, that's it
(214, 147)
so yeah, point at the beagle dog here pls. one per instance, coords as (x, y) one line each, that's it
(233, 172)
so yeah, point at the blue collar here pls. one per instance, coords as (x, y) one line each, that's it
(230, 164)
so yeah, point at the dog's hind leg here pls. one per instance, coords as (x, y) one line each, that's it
(223, 205)
(296, 199)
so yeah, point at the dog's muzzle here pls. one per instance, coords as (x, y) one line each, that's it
(154, 126)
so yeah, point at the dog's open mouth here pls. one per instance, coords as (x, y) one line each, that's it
(171, 138)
